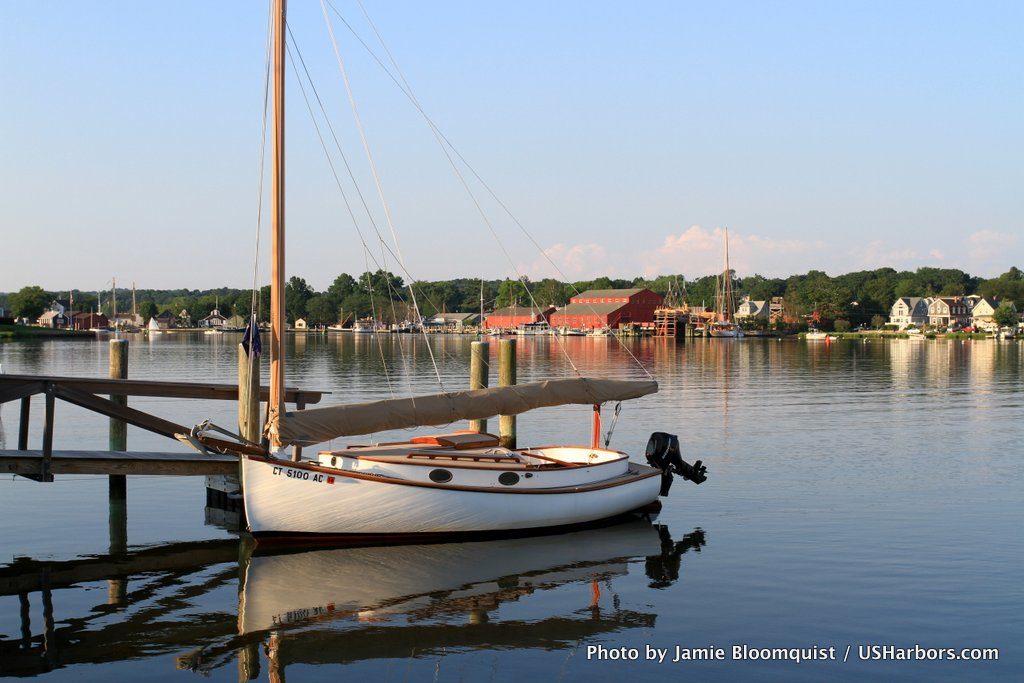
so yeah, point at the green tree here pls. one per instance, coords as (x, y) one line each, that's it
(320, 310)
(148, 309)
(1005, 315)
(877, 322)
(29, 302)
(296, 294)
(512, 292)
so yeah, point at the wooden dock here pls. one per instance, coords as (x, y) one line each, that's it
(89, 393)
(30, 462)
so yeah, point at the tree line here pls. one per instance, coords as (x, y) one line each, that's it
(856, 297)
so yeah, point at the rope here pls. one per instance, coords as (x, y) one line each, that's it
(376, 179)
(441, 142)
(447, 144)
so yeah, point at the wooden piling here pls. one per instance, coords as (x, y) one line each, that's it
(506, 378)
(248, 396)
(479, 375)
(26, 405)
(48, 417)
(118, 485)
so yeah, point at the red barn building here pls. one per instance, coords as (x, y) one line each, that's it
(599, 308)
(513, 316)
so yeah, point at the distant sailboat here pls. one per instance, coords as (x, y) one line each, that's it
(724, 326)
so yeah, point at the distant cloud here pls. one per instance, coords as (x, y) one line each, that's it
(576, 262)
(698, 251)
(987, 251)
(876, 254)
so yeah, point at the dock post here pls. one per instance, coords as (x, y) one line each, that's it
(48, 417)
(479, 375)
(248, 396)
(118, 486)
(26, 405)
(506, 378)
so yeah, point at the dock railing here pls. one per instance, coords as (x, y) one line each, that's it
(85, 392)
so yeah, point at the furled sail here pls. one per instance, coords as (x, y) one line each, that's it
(307, 427)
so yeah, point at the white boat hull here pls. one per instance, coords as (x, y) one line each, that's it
(286, 498)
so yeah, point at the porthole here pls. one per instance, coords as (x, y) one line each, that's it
(440, 476)
(508, 478)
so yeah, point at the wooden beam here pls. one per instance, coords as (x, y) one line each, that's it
(12, 391)
(136, 387)
(134, 417)
(27, 463)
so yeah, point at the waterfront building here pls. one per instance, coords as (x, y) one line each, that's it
(513, 316)
(165, 320)
(608, 308)
(215, 319)
(750, 308)
(451, 322)
(909, 310)
(983, 313)
(87, 320)
(948, 311)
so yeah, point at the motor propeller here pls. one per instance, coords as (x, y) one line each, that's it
(663, 453)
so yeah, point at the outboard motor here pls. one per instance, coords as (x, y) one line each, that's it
(663, 453)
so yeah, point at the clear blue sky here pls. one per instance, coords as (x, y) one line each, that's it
(624, 135)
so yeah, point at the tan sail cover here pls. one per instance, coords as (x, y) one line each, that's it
(307, 427)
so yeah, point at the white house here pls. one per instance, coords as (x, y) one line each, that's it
(749, 308)
(983, 313)
(215, 319)
(909, 310)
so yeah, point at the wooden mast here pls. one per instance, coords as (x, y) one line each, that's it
(277, 312)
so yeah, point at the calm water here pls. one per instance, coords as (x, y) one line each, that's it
(859, 494)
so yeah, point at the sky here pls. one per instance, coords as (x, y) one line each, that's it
(624, 138)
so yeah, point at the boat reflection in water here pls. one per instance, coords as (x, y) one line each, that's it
(345, 605)
(335, 606)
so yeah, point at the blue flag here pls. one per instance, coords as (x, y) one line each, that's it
(251, 339)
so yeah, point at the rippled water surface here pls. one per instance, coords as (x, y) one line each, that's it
(858, 494)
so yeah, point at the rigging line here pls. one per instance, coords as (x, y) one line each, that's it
(462, 180)
(384, 247)
(373, 319)
(376, 177)
(407, 90)
(369, 214)
(383, 244)
(366, 250)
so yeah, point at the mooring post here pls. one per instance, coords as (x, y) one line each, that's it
(26, 405)
(479, 375)
(248, 396)
(48, 417)
(118, 486)
(506, 378)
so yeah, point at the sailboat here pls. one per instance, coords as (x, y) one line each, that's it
(462, 483)
(723, 325)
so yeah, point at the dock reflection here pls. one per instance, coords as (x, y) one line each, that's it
(339, 605)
